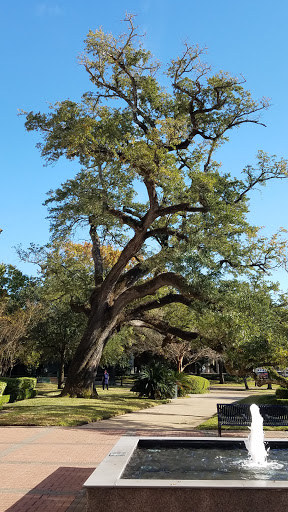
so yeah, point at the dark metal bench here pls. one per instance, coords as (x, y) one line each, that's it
(239, 415)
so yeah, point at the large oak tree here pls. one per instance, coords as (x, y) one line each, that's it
(145, 137)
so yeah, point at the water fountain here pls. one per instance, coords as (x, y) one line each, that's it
(255, 442)
(194, 474)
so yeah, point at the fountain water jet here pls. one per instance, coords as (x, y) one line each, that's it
(255, 442)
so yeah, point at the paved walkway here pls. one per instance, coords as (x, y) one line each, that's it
(180, 414)
(43, 468)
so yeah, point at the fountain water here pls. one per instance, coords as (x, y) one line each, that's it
(255, 442)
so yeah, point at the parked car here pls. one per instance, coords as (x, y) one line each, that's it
(284, 372)
(262, 373)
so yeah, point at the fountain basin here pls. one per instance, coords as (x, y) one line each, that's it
(118, 484)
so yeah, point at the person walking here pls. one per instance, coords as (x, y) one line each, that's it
(105, 380)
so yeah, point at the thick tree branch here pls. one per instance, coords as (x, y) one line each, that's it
(171, 298)
(153, 233)
(164, 328)
(80, 308)
(133, 275)
(151, 286)
(130, 251)
(181, 207)
(152, 194)
(96, 255)
(125, 219)
(132, 212)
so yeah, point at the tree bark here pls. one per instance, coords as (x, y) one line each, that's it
(245, 382)
(83, 369)
(180, 365)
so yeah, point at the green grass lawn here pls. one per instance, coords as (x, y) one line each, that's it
(48, 408)
(212, 423)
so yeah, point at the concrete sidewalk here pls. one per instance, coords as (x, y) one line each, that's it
(179, 414)
(43, 468)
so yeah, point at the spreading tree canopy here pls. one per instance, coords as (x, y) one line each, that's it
(145, 137)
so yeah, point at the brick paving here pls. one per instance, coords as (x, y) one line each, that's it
(42, 469)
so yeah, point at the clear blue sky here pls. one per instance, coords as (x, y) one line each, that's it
(40, 41)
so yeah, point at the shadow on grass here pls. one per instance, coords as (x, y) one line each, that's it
(67, 416)
(263, 399)
(62, 490)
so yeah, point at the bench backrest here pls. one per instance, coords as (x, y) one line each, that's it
(239, 414)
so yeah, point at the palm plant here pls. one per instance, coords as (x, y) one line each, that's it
(155, 381)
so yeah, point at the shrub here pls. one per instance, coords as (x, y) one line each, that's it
(2, 387)
(4, 399)
(183, 384)
(155, 381)
(198, 384)
(20, 388)
(282, 393)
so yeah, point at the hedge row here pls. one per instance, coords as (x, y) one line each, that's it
(19, 388)
(192, 384)
(198, 384)
(2, 387)
(4, 400)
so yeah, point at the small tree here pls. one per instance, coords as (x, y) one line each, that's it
(57, 334)
(19, 310)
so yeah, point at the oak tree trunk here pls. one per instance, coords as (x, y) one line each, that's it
(83, 369)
